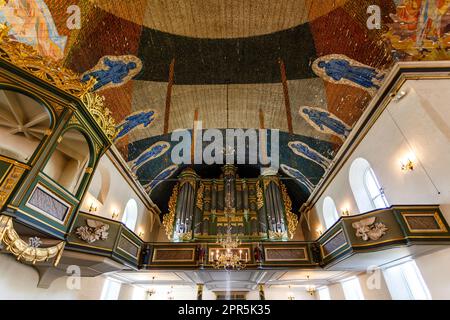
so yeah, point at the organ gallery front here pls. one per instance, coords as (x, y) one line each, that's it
(254, 208)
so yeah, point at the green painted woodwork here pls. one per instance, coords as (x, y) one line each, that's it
(62, 107)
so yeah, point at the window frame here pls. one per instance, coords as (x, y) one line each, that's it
(324, 289)
(406, 281)
(356, 288)
(107, 287)
(369, 173)
(327, 202)
(126, 214)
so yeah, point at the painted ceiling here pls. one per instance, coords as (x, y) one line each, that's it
(308, 68)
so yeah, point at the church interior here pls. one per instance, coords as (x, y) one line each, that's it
(224, 150)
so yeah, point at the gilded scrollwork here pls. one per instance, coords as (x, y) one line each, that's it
(29, 60)
(268, 179)
(187, 236)
(169, 218)
(9, 183)
(292, 218)
(274, 235)
(23, 250)
(101, 114)
(200, 195)
(259, 196)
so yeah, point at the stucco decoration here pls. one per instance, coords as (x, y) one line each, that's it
(93, 231)
(367, 229)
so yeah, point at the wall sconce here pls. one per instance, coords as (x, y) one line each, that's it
(151, 291)
(400, 95)
(115, 214)
(290, 294)
(319, 231)
(345, 212)
(407, 165)
(141, 234)
(92, 208)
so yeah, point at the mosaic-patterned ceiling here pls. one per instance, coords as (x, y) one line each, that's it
(308, 68)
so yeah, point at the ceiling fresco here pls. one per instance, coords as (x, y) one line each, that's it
(308, 68)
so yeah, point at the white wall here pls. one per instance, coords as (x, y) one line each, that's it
(434, 268)
(371, 289)
(283, 292)
(417, 124)
(19, 281)
(110, 192)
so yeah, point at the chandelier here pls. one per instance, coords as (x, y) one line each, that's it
(151, 291)
(227, 258)
(311, 289)
(290, 294)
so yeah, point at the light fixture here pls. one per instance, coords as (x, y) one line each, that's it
(345, 212)
(92, 208)
(311, 289)
(115, 214)
(169, 294)
(141, 234)
(407, 165)
(319, 231)
(227, 258)
(290, 294)
(151, 291)
(400, 95)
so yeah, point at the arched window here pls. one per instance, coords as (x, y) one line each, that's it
(100, 183)
(130, 214)
(330, 213)
(111, 290)
(68, 162)
(365, 186)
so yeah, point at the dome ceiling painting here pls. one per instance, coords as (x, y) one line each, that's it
(308, 68)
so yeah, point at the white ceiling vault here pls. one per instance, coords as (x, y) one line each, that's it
(243, 280)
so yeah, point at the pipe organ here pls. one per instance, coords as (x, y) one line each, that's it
(258, 208)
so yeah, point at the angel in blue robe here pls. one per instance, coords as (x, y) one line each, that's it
(305, 151)
(153, 152)
(297, 175)
(116, 72)
(135, 120)
(339, 69)
(326, 122)
(160, 177)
